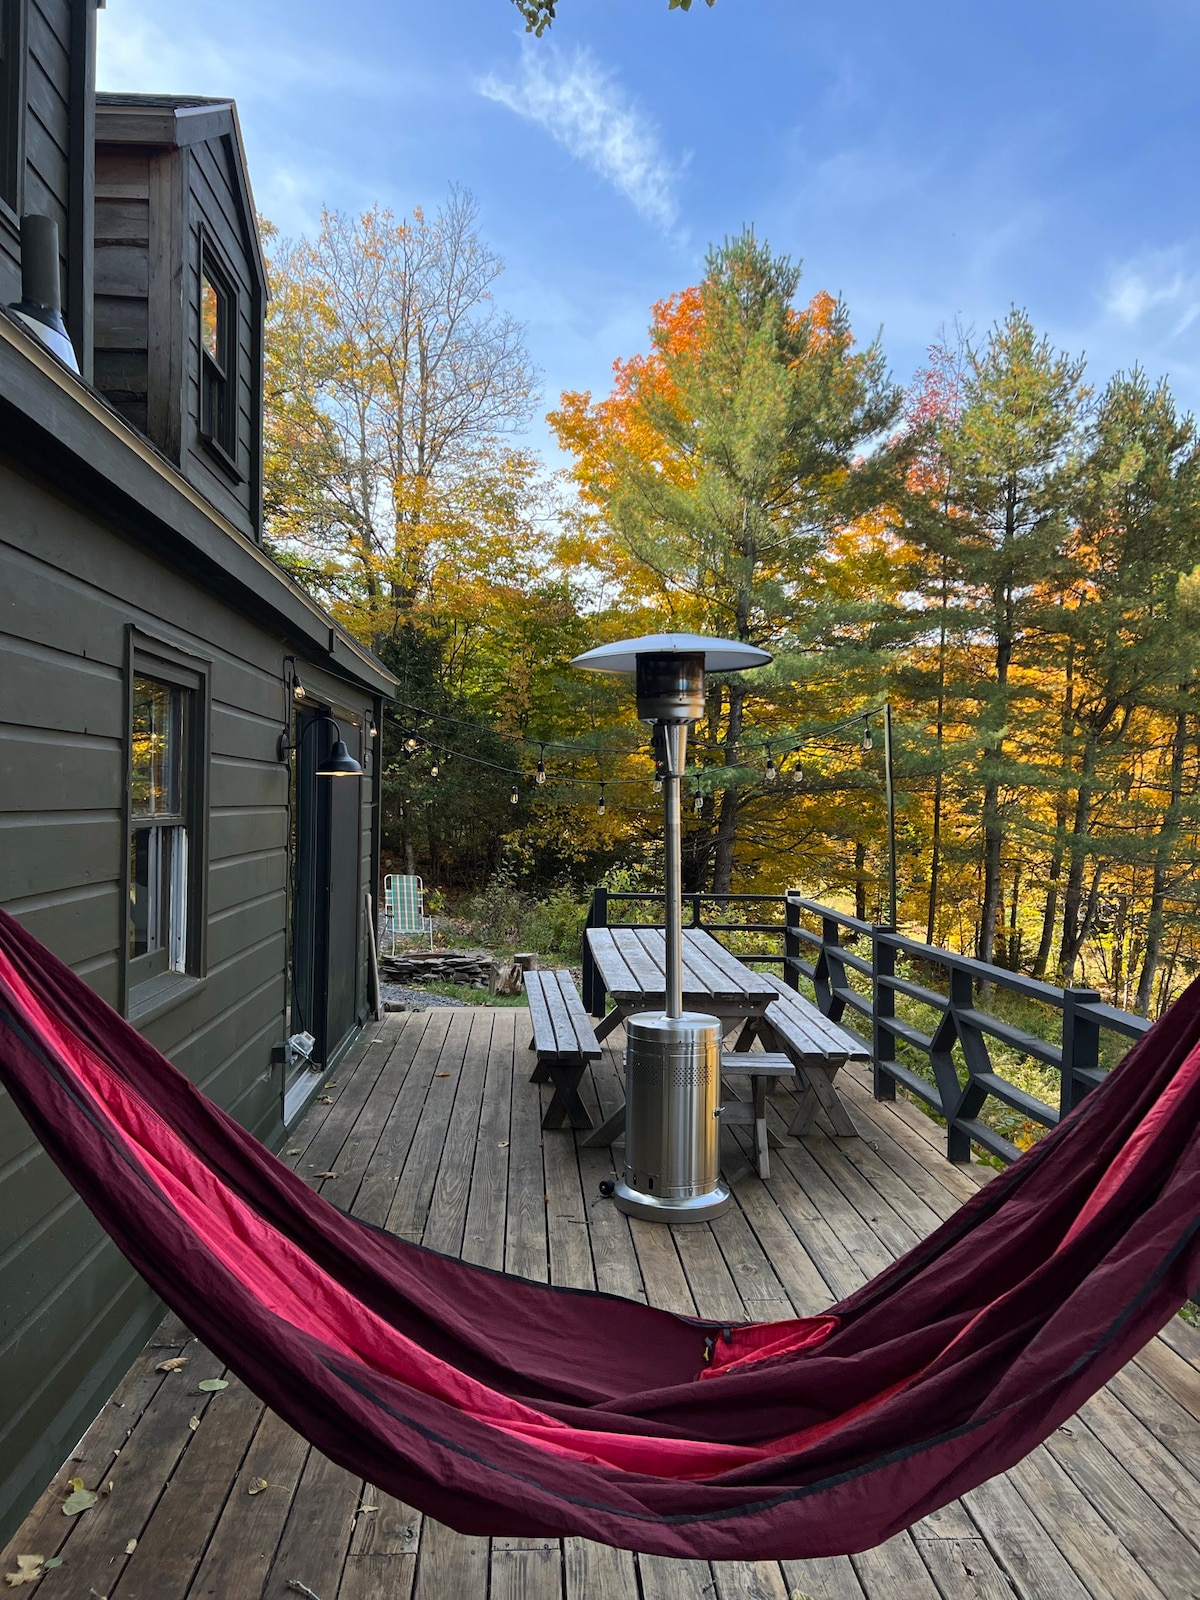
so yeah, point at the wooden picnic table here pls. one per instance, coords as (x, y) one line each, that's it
(631, 963)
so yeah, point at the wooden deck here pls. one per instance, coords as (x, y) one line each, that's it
(432, 1129)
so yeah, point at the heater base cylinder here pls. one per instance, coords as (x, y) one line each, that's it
(672, 1119)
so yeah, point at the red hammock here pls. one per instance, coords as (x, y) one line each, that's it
(501, 1406)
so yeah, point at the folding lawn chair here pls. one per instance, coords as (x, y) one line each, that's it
(404, 908)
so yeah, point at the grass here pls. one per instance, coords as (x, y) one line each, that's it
(468, 994)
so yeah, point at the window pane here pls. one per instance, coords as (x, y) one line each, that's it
(210, 319)
(157, 748)
(155, 855)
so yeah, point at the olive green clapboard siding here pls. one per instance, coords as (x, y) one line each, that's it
(71, 1313)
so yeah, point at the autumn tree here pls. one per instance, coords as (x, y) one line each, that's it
(394, 387)
(396, 491)
(727, 464)
(1128, 641)
(1010, 456)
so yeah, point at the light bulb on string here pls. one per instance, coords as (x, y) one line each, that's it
(658, 782)
(772, 771)
(797, 773)
(541, 766)
(434, 770)
(601, 807)
(698, 804)
(515, 796)
(868, 742)
(412, 745)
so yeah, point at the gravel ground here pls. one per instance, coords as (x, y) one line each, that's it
(415, 999)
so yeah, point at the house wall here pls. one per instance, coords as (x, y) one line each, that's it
(120, 307)
(212, 209)
(56, 72)
(72, 1314)
(154, 206)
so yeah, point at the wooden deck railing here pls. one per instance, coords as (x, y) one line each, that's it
(858, 970)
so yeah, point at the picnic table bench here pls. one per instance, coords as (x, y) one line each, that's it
(792, 1027)
(565, 1042)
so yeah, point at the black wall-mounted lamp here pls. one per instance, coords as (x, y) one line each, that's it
(338, 764)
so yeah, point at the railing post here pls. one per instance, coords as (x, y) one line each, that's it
(593, 989)
(696, 911)
(961, 1100)
(1080, 1047)
(883, 1005)
(791, 941)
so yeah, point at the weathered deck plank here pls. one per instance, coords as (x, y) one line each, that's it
(433, 1129)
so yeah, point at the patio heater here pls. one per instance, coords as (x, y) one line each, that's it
(672, 1057)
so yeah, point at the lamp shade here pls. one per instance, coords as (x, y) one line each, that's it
(719, 655)
(339, 763)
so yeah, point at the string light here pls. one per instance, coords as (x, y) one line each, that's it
(515, 796)
(772, 771)
(797, 773)
(657, 781)
(541, 766)
(602, 807)
(868, 742)
(434, 770)
(412, 745)
(698, 804)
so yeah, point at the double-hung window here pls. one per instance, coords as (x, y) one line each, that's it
(166, 833)
(218, 358)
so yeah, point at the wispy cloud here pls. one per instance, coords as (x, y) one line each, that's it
(584, 108)
(140, 51)
(1155, 287)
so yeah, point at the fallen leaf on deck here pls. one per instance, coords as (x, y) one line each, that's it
(29, 1570)
(131, 1547)
(107, 1488)
(365, 1511)
(326, 1100)
(257, 1485)
(193, 1423)
(173, 1365)
(317, 1176)
(502, 1144)
(79, 1500)
(441, 1074)
(295, 1152)
(74, 1483)
(332, 1084)
(52, 1561)
(211, 1385)
(799, 1594)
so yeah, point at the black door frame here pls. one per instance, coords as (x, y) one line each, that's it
(312, 936)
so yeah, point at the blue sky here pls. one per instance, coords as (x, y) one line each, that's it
(932, 162)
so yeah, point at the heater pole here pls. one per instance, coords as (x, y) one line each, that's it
(891, 810)
(675, 746)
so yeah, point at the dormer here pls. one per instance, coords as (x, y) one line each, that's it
(181, 289)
